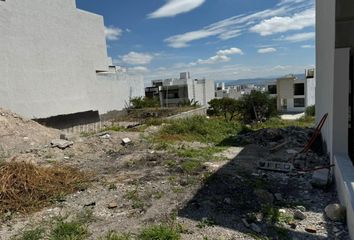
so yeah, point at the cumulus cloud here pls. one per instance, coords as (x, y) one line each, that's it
(300, 37)
(221, 56)
(113, 33)
(267, 50)
(175, 7)
(136, 58)
(277, 24)
(139, 70)
(264, 22)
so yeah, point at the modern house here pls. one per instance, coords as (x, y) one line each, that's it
(294, 94)
(173, 92)
(334, 93)
(54, 61)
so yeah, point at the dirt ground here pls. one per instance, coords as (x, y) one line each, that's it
(136, 185)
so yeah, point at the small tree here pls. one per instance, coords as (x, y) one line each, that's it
(257, 106)
(227, 107)
(310, 111)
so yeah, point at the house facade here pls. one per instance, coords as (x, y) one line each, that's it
(54, 61)
(334, 93)
(173, 92)
(293, 94)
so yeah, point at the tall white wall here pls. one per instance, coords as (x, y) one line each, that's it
(310, 93)
(325, 48)
(50, 52)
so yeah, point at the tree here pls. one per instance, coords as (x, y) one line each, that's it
(257, 106)
(227, 107)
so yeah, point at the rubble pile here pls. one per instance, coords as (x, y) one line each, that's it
(294, 136)
(20, 134)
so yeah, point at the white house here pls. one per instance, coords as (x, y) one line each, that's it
(54, 61)
(334, 93)
(172, 92)
(293, 94)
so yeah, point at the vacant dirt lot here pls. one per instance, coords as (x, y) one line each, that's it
(203, 190)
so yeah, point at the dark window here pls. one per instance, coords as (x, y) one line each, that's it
(272, 89)
(299, 89)
(299, 102)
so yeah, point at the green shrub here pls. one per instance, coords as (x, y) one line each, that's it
(144, 102)
(160, 232)
(310, 111)
(256, 106)
(227, 107)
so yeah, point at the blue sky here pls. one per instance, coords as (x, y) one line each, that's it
(217, 39)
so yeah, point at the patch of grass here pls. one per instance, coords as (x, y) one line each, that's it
(198, 128)
(87, 134)
(113, 128)
(137, 201)
(159, 232)
(34, 234)
(26, 187)
(279, 123)
(200, 153)
(191, 166)
(206, 222)
(117, 236)
(72, 230)
(273, 215)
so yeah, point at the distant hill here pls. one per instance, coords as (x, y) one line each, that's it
(256, 81)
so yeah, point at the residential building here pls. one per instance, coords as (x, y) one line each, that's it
(54, 61)
(334, 93)
(294, 94)
(174, 92)
(235, 91)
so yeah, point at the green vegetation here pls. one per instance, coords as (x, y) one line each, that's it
(199, 153)
(116, 236)
(71, 230)
(254, 107)
(198, 128)
(159, 232)
(310, 111)
(279, 123)
(35, 234)
(206, 222)
(137, 201)
(144, 102)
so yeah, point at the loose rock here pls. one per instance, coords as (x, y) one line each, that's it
(335, 212)
(61, 144)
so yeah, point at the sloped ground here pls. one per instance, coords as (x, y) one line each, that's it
(20, 134)
(207, 191)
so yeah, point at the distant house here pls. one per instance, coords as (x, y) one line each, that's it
(235, 91)
(174, 92)
(293, 94)
(54, 61)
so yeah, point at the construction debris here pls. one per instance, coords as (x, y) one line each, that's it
(320, 178)
(335, 212)
(61, 144)
(126, 141)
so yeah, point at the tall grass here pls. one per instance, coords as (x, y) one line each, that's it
(199, 128)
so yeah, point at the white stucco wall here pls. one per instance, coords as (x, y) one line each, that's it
(50, 52)
(285, 90)
(332, 91)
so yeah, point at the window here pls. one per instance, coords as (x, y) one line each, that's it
(272, 89)
(299, 102)
(299, 89)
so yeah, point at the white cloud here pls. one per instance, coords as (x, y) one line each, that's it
(113, 33)
(300, 37)
(267, 50)
(237, 25)
(175, 7)
(221, 56)
(230, 51)
(135, 58)
(277, 24)
(139, 70)
(307, 46)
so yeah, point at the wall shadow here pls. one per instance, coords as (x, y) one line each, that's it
(228, 196)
